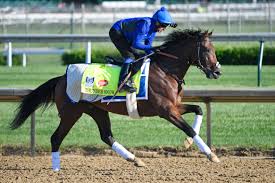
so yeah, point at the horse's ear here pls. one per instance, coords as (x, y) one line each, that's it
(206, 33)
(210, 32)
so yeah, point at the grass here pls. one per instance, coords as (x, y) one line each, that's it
(252, 127)
(234, 124)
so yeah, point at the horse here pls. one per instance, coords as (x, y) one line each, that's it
(186, 47)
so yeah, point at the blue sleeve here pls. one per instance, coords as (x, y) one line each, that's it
(140, 36)
(151, 38)
(150, 41)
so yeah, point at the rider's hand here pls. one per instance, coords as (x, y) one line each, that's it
(174, 25)
(155, 49)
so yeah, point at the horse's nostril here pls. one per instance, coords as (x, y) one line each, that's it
(218, 72)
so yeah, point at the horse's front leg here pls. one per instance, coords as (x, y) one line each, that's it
(187, 108)
(173, 115)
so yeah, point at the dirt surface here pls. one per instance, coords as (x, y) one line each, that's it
(113, 169)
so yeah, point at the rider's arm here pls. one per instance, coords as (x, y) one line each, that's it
(149, 41)
(140, 36)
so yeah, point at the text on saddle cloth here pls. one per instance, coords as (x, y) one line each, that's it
(102, 79)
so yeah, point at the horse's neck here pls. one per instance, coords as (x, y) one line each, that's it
(173, 66)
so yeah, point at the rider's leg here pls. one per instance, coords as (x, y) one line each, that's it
(128, 53)
(125, 70)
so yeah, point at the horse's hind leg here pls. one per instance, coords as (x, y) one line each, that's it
(69, 115)
(187, 108)
(102, 120)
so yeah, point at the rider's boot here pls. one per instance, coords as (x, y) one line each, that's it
(129, 85)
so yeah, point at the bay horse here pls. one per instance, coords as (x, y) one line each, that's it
(191, 47)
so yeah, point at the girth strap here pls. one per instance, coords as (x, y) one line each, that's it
(179, 81)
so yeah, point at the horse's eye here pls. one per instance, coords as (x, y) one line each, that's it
(208, 50)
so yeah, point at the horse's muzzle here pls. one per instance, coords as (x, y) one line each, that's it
(213, 74)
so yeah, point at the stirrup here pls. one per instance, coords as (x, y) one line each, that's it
(128, 88)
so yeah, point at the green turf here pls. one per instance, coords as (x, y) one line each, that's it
(234, 124)
(245, 125)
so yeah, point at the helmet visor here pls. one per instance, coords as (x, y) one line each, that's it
(164, 25)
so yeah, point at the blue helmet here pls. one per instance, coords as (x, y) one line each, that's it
(163, 16)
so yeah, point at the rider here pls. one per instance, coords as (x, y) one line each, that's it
(133, 34)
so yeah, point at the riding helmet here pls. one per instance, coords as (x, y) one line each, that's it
(163, 16)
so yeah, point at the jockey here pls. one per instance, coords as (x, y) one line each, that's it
(133, 34)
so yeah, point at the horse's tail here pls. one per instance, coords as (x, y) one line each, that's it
(42, 95)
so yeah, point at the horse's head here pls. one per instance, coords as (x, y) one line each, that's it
(206, 59)
(194, 47)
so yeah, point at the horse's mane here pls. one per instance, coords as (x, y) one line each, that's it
(182, 35)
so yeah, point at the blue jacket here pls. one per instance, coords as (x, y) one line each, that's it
(140, 32)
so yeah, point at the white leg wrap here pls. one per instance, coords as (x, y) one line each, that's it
(118, 148)
(197, 123)
(56, 161)
(202, 146)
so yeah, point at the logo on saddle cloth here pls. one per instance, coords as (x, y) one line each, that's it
(102, 79)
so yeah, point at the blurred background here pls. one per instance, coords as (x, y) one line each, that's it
(96, 16)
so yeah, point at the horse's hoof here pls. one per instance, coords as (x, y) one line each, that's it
(188, 142)
(56, 169)
(213, 157)
(139, 163)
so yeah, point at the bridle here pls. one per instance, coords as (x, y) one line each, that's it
(198, 62)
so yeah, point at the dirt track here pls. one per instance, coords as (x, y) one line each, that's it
(80, 168)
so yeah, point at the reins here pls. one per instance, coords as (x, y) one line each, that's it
(179, 81)
(167, 55)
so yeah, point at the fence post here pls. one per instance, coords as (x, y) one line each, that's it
(33, 134)
(269, 17)
(228, 17)
(88, 52)
(83, 26)
(72, 9)
(9, 56)
(240, 18)
(24, 59)
(208, 123)
(260, 61)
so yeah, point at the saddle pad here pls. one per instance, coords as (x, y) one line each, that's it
(102, 79)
